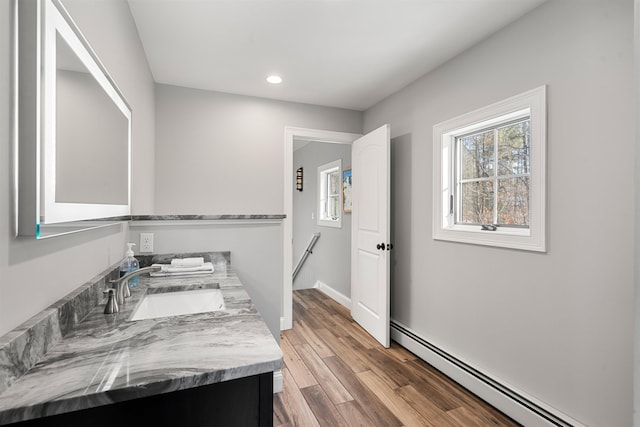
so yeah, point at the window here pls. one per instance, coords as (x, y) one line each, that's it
(489, 174)
(329, 194)
(492, 175)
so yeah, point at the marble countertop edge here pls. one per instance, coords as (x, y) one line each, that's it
(66, 404)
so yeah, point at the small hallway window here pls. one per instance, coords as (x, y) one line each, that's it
(329, 194)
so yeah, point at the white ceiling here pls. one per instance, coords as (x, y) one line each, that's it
(338, 53)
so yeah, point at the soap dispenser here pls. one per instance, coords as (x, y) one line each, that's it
(130, 264)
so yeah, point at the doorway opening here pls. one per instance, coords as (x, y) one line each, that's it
(320, 218)
(301, 137)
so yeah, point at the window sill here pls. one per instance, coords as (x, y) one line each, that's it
(329, 223)
(512, 239)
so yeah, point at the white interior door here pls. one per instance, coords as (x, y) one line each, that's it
(370, 251)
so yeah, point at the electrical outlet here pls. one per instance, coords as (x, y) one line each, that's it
(146, 242)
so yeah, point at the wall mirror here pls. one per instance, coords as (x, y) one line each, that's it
(73, 128)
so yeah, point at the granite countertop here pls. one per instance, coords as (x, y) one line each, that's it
(107, 359)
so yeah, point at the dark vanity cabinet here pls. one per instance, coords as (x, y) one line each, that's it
(236, 403)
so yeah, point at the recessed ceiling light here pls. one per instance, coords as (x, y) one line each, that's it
(274, 79)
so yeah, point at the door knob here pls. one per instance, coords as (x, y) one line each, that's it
(390, 246)
(381, 246)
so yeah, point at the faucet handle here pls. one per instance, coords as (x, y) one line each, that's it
(111, 306)
(126, 291)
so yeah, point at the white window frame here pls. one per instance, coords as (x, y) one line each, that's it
(323, 171)
(533, 238)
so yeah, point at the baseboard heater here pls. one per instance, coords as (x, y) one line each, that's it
(541, 412)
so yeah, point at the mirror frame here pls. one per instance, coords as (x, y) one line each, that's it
(38, 213)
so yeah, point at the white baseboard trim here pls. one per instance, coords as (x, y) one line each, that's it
(333, 294)
(278, 381)
(282, 325)
(517, 404)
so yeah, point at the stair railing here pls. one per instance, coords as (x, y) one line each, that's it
(305, 254)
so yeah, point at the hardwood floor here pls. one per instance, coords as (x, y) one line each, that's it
(335, 374)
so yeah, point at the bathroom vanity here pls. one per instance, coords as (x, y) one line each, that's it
(212, 368)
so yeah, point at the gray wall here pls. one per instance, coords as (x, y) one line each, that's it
(636, 353)
(219, 154)
(330, 261)
(558, 326)
(34, 274)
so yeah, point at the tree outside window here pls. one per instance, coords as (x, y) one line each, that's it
(493, 175)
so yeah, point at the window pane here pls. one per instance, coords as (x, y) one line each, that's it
(334, 205)
(329, 194)
(514, 147)
(476, 155)
(334, 182)
(513, 201)
(477, 203)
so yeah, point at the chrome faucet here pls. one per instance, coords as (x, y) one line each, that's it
(121, 286)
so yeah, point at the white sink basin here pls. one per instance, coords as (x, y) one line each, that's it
(178, 303)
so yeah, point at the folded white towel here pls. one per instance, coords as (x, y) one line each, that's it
(170, 270)
(187, 262)
(182, 273)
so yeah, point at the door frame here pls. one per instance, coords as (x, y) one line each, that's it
(313, 135)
